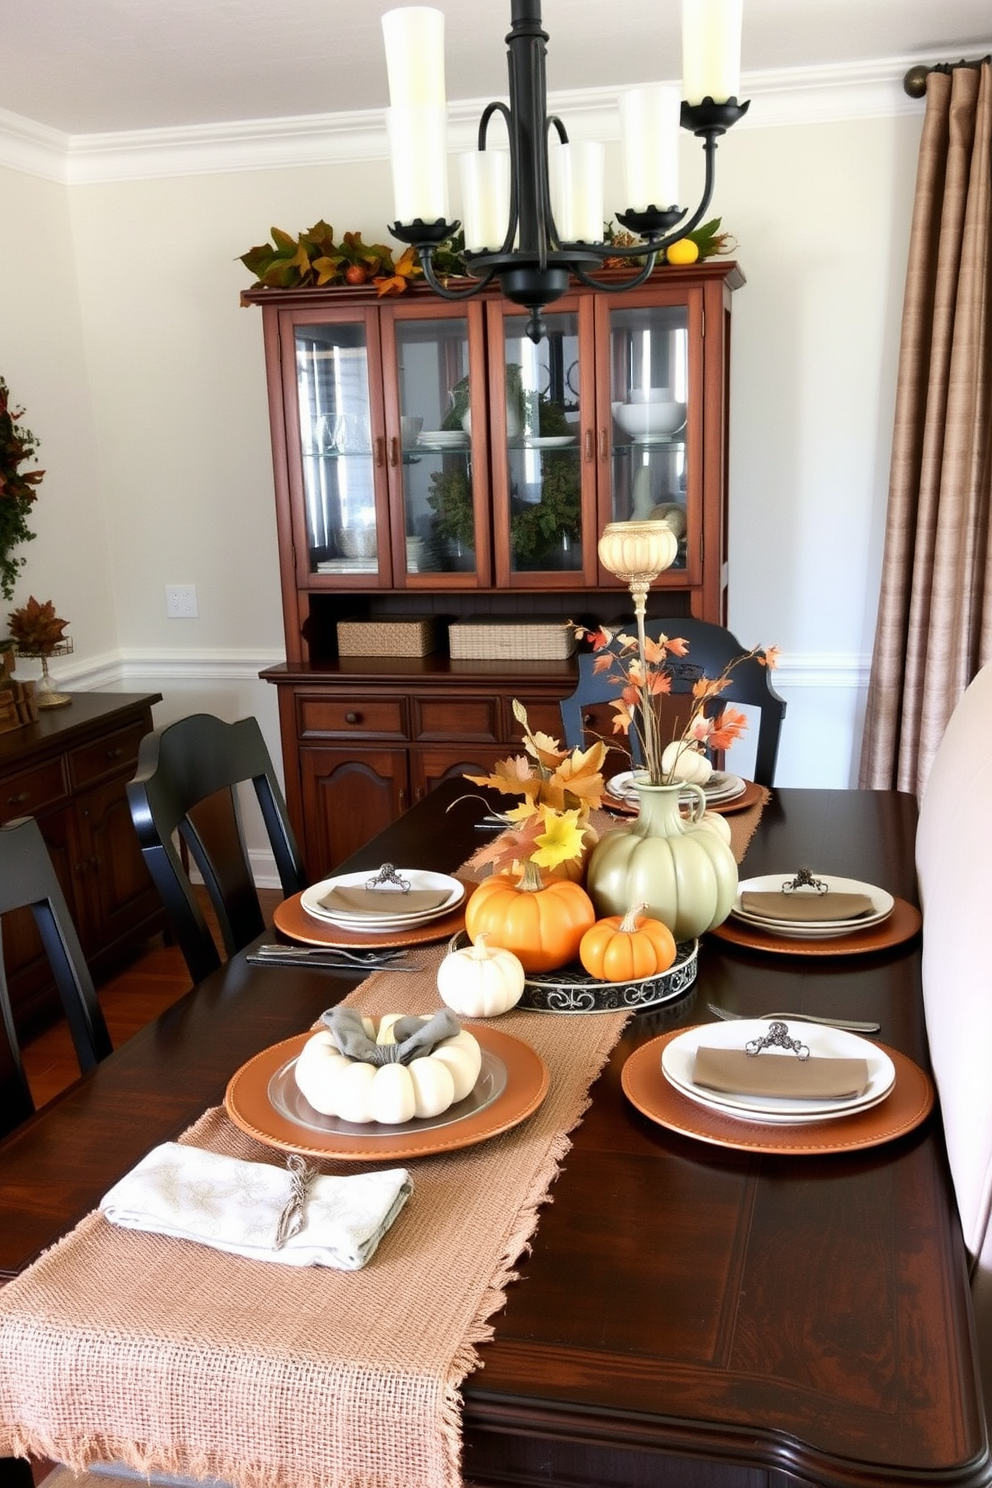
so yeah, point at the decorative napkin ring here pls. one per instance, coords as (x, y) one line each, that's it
(387, 875)
(804, 880)
(778, 1037)
(293, 1216)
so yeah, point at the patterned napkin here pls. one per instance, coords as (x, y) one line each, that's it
(242, 1207)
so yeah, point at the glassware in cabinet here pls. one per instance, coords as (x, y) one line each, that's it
(341, 452)
(439, 460)
(543, 455)
(649, 415)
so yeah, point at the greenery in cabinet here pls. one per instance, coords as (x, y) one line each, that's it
(538, 531)
(450, 499)
(17, 488)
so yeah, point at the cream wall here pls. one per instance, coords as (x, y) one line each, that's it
(123, 335)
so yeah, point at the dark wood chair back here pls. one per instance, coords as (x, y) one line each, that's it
(28, 881)
(711, 648)
(185, 788)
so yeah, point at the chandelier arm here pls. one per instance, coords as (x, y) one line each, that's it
(424, 253)
(632, 283)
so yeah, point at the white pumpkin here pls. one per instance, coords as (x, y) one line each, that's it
(681, 762)
(356, 1091)
(716, 823)
(480, 981)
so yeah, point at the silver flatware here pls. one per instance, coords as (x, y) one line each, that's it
(305, 953)
(329, 963)
(853, 1025)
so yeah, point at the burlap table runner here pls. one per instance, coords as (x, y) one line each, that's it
(171, 1357)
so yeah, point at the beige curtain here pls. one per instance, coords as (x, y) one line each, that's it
(934, 627)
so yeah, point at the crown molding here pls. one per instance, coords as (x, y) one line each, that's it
(783, 97)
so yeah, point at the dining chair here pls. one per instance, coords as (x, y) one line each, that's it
(28, 881)
(711, 648)
(185, 791)
(954, 870)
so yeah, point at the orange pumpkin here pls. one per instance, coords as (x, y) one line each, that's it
(541, 924)
(627, 948)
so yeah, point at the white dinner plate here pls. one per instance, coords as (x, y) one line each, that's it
(719, 788)
(679, 1055)
(771, 883)
(393, 916)
(451, 438)
(550, 441)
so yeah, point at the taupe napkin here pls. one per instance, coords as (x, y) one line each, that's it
(829, 906)
(377, 902)
(737, 1073)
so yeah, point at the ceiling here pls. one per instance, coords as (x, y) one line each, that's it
(93, 66)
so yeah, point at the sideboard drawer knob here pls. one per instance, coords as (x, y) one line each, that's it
(19, 799)
(352, 718)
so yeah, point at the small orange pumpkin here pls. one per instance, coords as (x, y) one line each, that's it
(627, 948)
(542, 924)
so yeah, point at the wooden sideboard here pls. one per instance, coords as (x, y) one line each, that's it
(70, 770)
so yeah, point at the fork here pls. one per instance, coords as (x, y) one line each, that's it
(852, 1024)
(359, 958)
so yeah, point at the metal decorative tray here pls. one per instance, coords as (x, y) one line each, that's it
(570, 989)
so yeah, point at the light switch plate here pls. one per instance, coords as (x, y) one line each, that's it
(180, 601)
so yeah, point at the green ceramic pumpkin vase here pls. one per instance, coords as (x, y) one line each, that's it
(685, 873)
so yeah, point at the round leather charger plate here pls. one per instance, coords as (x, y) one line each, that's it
(646, 1087)
(247, 1103)
(292, 920)
(751, 796)
(902, 924)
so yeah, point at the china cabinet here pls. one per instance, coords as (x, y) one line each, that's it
(429, 459)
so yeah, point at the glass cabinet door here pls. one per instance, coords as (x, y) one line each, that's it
(336, 446)
(649, 407)
(548, 493)
(438, 454)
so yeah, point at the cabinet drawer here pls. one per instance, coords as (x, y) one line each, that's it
(32, 790)
(357, 716)
(110, 755)
(475, 718)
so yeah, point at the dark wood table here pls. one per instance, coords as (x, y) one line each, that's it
(689, 1315)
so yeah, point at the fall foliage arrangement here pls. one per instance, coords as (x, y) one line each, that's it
(18, 488)
(35, 628)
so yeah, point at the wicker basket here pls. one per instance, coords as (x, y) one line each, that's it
(407, 635)
(513, 638)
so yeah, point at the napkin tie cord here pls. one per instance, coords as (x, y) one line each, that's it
(293, 1216)
(414, 1037)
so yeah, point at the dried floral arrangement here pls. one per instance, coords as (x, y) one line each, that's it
(35, 628)
(643, 675)
(707, 240)
(559, 788)
(18, 488)
(314, 259)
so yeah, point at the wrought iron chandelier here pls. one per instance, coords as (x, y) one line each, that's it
(528, 225)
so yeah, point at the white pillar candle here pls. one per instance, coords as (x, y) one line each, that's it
(578, 191)
(485, 181)
(414, 39)
(418, 149)
(649, 141)
(711, 49)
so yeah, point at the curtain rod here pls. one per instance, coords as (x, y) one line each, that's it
(915, 81)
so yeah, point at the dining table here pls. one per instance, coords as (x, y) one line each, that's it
(687, 1311)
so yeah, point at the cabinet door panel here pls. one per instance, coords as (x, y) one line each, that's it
(115, 883)
(428, 767)
(346, 800)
